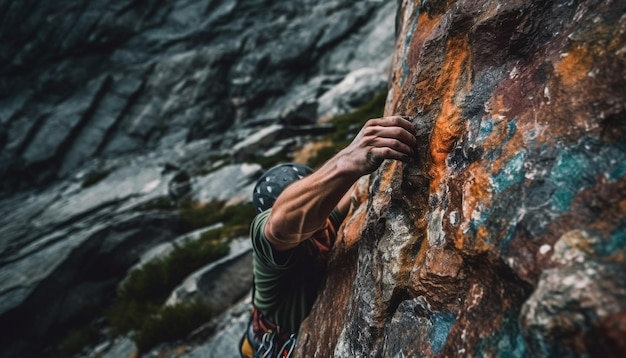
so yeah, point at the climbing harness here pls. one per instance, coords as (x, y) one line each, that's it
(267, 347)
(263, 340)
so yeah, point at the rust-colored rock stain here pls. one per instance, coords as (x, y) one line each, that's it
(489, 241)
(575, 65)
(449, 126)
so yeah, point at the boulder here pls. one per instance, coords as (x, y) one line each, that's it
(220, 284)
(504, 236)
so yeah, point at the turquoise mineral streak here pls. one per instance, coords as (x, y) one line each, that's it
(579, 168)
(442, 324)
(512, 173)
(486, 128)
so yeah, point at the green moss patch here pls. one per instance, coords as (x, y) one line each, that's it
(196, 215)
(77, 339)
(162, 203)
(271, 161)
(139, 304)
(171, 323)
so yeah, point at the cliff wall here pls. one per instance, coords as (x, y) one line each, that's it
(505, 236)
(112, 113)
(95, 79)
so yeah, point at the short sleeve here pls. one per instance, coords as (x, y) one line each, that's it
(262, 247)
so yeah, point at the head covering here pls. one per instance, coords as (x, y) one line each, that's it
(274, 181)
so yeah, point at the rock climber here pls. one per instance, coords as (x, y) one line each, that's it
(299, 212)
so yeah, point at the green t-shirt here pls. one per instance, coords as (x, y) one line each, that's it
(284, 292)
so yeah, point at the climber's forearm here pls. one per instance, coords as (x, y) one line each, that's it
(304, 206)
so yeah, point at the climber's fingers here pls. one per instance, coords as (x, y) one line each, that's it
(382, 138)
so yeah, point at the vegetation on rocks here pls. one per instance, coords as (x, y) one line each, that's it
(139, 305)
(161, 203)
(152, 283)
(270, 161)
(76, 339)
(197, 215)
(171, 323)
(139, 308)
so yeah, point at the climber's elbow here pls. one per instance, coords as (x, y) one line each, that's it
(279, 236)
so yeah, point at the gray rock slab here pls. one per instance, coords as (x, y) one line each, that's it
(20, 278)
(93, 136)
(119, 187)
(221, 283)
(256, 140)
(233, 182)
(63, 123)
(356, 88)
(230, 328)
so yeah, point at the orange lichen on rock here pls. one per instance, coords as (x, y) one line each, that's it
(426, 25)
(477, 193)
(353, 228)
(518, 109)
(388, 174)
(575, 65)
(351, 231)
(449, 125)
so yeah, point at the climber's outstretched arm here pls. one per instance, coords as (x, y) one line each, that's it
(305, 205)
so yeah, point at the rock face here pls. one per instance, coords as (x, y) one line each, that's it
(160, 100)
(505, 235)
(101, 79)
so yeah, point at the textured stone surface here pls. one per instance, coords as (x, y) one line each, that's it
(221, 283)
(505, 236)
(95, 78)
(60, 254)
(152, 95)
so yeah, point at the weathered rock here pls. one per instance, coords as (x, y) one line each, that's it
(120, 347)
(229, 328)
(505, 234)
(355, 88)
(70, 270)
(581, 289)
(137, 93)
(165, 249)
(221, 283)
(90, 79)
(255, 140)
(67, 251)
(233, 183)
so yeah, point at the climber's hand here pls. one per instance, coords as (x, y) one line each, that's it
(379, 139)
